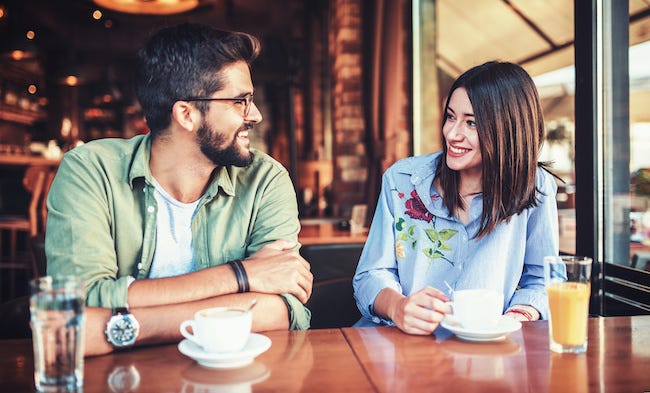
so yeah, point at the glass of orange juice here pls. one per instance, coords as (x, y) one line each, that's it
(567, 280)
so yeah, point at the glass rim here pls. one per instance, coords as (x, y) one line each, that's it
(49, 278)
(47, 283)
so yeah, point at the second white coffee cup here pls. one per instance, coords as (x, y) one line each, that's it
(476, 309)
(219, 329)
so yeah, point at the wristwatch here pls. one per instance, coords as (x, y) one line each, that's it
(122, 329)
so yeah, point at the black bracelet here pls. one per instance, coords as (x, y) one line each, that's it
(240, 274)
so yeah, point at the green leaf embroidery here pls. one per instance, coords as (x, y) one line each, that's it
(399, 225)
(438, 239)
(432, 253)
(447, 234)
(432, 234)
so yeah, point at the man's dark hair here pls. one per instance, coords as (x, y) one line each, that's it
(185, 61)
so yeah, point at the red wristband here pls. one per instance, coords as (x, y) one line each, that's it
(525, 313)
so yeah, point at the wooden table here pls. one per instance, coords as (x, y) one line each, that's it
(306, 361)
(329, 233)
(617, 360)
(376, 359)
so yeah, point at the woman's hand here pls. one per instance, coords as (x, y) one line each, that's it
(419, 313)
(523, 313)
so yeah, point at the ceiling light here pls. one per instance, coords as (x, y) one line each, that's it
(19, 46)
(151, 7)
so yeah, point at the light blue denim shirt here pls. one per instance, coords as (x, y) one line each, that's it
(413, 243)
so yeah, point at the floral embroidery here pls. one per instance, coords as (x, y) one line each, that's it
(415, 208)
(399, 251)
(437, 240)
(400, 195)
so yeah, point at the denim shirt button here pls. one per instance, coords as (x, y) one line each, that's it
(150, 209)
(140, 266)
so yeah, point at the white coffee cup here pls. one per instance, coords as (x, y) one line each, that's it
(476, 309)
(219, 329)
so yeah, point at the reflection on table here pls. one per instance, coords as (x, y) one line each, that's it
(381, 359)
(617, 360)
(304, 361)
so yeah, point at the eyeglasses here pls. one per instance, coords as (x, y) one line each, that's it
(246, 101)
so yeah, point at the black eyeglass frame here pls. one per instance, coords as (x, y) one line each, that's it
(248, 101)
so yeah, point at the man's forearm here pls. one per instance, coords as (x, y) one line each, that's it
(160, 324)
(191, 287)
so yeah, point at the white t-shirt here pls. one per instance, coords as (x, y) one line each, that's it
(173, 255)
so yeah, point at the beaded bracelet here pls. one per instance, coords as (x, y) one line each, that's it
(240, 274)
(525, 313)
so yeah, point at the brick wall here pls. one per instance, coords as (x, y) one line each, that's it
(348, 126)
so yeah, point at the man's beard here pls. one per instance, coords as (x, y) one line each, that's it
(233, 154)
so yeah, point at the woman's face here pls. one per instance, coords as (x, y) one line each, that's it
(461, 136)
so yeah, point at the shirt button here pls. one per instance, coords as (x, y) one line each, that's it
(150, 209)
(140, 266)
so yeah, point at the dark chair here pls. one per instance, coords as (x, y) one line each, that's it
(33, 181)
(332, 302)
(330, 261)
(37, 244)
(15, 319)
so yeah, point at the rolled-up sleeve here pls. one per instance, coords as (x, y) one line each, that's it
(277, 218)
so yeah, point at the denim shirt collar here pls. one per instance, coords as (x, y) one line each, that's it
(422, 170)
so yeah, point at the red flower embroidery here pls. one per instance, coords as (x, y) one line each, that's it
(400, 194)
(415, 208)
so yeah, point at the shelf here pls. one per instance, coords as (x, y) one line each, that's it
(18, 115)
(28, 160)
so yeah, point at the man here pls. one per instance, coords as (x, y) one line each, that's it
(188, 216)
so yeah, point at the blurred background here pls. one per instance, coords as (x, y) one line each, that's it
(346, 87)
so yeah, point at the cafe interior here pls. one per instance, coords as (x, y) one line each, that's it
(346, 88)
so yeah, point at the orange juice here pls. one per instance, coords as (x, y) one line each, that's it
(569, 308)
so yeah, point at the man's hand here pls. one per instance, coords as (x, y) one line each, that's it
(278, 268)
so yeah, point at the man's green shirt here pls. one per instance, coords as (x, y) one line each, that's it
(101, 220)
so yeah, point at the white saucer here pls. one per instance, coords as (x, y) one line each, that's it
(257, 344)
(505, 326)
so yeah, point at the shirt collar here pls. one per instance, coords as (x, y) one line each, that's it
(421, 169)
(221, 177)
(140, 163)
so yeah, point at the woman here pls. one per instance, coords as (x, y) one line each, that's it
(481, 213)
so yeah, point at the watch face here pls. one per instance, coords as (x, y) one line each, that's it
(123, 330)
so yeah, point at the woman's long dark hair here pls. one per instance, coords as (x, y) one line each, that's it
(510, 127)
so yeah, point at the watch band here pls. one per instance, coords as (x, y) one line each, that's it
(120, 311)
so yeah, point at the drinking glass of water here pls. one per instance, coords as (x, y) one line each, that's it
(57, 320)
